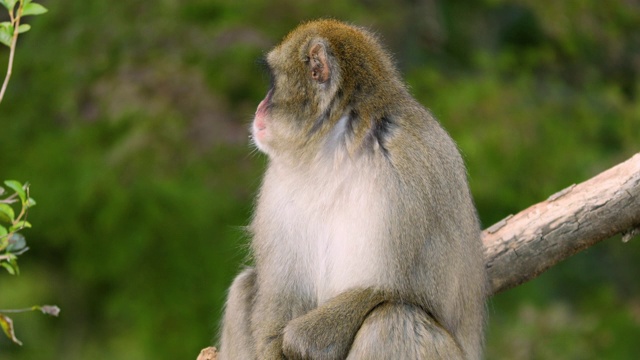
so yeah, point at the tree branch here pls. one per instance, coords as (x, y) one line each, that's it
(521, 247)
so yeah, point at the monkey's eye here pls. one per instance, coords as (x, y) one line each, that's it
(306, 59)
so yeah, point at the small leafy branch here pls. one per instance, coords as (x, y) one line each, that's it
(12, 243)
(9, 30)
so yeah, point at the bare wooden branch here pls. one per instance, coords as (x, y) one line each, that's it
(209, 353)
(522, 246)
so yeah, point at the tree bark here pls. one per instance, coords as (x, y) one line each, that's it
(209, 353)
(522, 246)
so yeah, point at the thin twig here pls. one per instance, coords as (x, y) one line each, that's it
(14, 40)
(33, 308)
(10, 199)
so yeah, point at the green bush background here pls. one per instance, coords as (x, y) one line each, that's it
(129, 120)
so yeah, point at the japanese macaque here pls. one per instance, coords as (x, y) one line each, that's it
(365, 237)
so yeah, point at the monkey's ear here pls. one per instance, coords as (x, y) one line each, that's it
(319, 64)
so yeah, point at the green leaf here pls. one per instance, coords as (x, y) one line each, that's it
(10, 267)
(24, 28)
(6, 33)
(4, 239)
(1, 188)
(17, 187)
(23, 224)
(20, 225)
(31, 203)
(7, 326)
(6, 213)
(33, 9)
(9, 4)
(11, 264)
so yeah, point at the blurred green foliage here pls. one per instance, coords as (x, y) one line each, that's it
(130, 118)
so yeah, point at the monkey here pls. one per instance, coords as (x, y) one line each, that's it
(365, 239)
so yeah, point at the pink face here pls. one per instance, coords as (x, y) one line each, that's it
(259, 128)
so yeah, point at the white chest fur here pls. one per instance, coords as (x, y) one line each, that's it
(323, 221)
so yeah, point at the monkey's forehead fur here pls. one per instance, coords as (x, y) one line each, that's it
(355, 48)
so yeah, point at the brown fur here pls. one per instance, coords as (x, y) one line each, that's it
(365, 237)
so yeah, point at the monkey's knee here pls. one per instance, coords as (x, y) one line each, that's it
(402, 331)
(236, 341)
(242, 290)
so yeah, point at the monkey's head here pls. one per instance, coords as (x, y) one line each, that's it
(330, 83)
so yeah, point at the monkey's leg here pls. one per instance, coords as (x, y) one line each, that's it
(236, 341)
(328, 331)
(402, 331)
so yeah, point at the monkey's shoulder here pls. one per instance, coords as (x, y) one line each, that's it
(412, 134)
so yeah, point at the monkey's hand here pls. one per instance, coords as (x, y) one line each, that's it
(317, 336)
(327, 332)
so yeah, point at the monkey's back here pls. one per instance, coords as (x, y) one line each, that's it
(432, 192)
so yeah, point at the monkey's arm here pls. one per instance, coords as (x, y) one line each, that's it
(327, 332)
